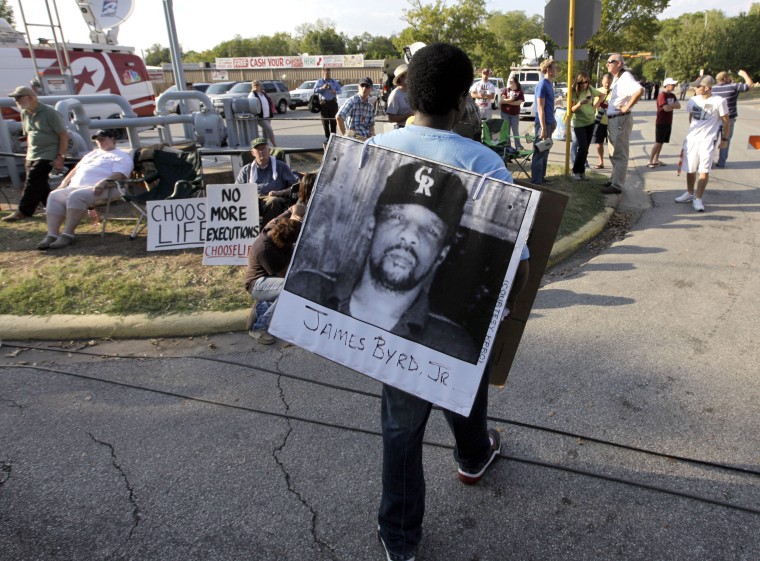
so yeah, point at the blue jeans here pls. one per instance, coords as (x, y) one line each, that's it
(266, 289)
(514, 129)
(723, 152)
(403, 418)
(540, 159)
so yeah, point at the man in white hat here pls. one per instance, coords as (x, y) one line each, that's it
(399, 109)
(47, 142)
(667, 102)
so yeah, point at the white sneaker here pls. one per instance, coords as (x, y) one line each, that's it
(685, 198)
(697, 204)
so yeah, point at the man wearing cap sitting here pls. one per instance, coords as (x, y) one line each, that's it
(89, 184)
(399, 110)
(272, 178)
(667, 102)
(357, 117)
(47, 142)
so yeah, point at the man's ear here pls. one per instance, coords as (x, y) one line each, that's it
(442, 255)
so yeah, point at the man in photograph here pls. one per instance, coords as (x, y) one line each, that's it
(411, 230)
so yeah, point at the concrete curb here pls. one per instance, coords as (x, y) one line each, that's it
(568, 245)
(64, 327)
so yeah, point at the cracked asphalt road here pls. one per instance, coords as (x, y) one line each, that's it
(218, 449)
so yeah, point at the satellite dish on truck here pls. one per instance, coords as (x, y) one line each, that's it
(533, 50)
(103, 15)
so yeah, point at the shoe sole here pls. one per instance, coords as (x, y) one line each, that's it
(473, 478)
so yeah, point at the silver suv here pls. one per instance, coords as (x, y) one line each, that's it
(275, 89)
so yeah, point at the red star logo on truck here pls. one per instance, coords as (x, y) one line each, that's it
(84, 77)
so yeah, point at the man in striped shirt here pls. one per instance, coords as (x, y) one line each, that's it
(725, 88)
(357, 117)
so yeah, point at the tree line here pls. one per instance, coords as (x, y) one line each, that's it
(680, 47)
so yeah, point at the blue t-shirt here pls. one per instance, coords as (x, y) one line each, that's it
(449, 148)
(545, 89)
(445, 147)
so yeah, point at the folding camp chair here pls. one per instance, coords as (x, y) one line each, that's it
(496, 137)
(166, 173)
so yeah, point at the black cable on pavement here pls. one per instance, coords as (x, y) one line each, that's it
(693, 461)
(376, 433)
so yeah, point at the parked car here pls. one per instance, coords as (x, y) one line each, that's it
(172, 105)
(300, 96)
(219, 88)
(274, 88)
(352, 89)
(498, 83)
(528, 108)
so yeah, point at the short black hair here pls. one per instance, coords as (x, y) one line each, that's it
(438, 76)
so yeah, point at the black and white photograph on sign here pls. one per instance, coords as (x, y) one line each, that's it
(401, 246)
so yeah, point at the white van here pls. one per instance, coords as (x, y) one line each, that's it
(528, 77)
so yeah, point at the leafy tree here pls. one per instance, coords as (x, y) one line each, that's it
(506, 34)
(326, 41)
(156, 55)
(460, 24)
(6, 12)
(688, 51)
(624, 24)
(373, 46)
(735, 46)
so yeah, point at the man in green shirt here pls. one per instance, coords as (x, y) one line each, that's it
(47, 142)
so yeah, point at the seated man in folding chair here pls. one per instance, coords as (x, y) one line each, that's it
(273, 179)
(90, 183)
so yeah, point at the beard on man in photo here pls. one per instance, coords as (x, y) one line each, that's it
(415, 218)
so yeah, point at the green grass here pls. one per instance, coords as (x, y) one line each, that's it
(586, 199)
(116, 276)
(110, 275)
